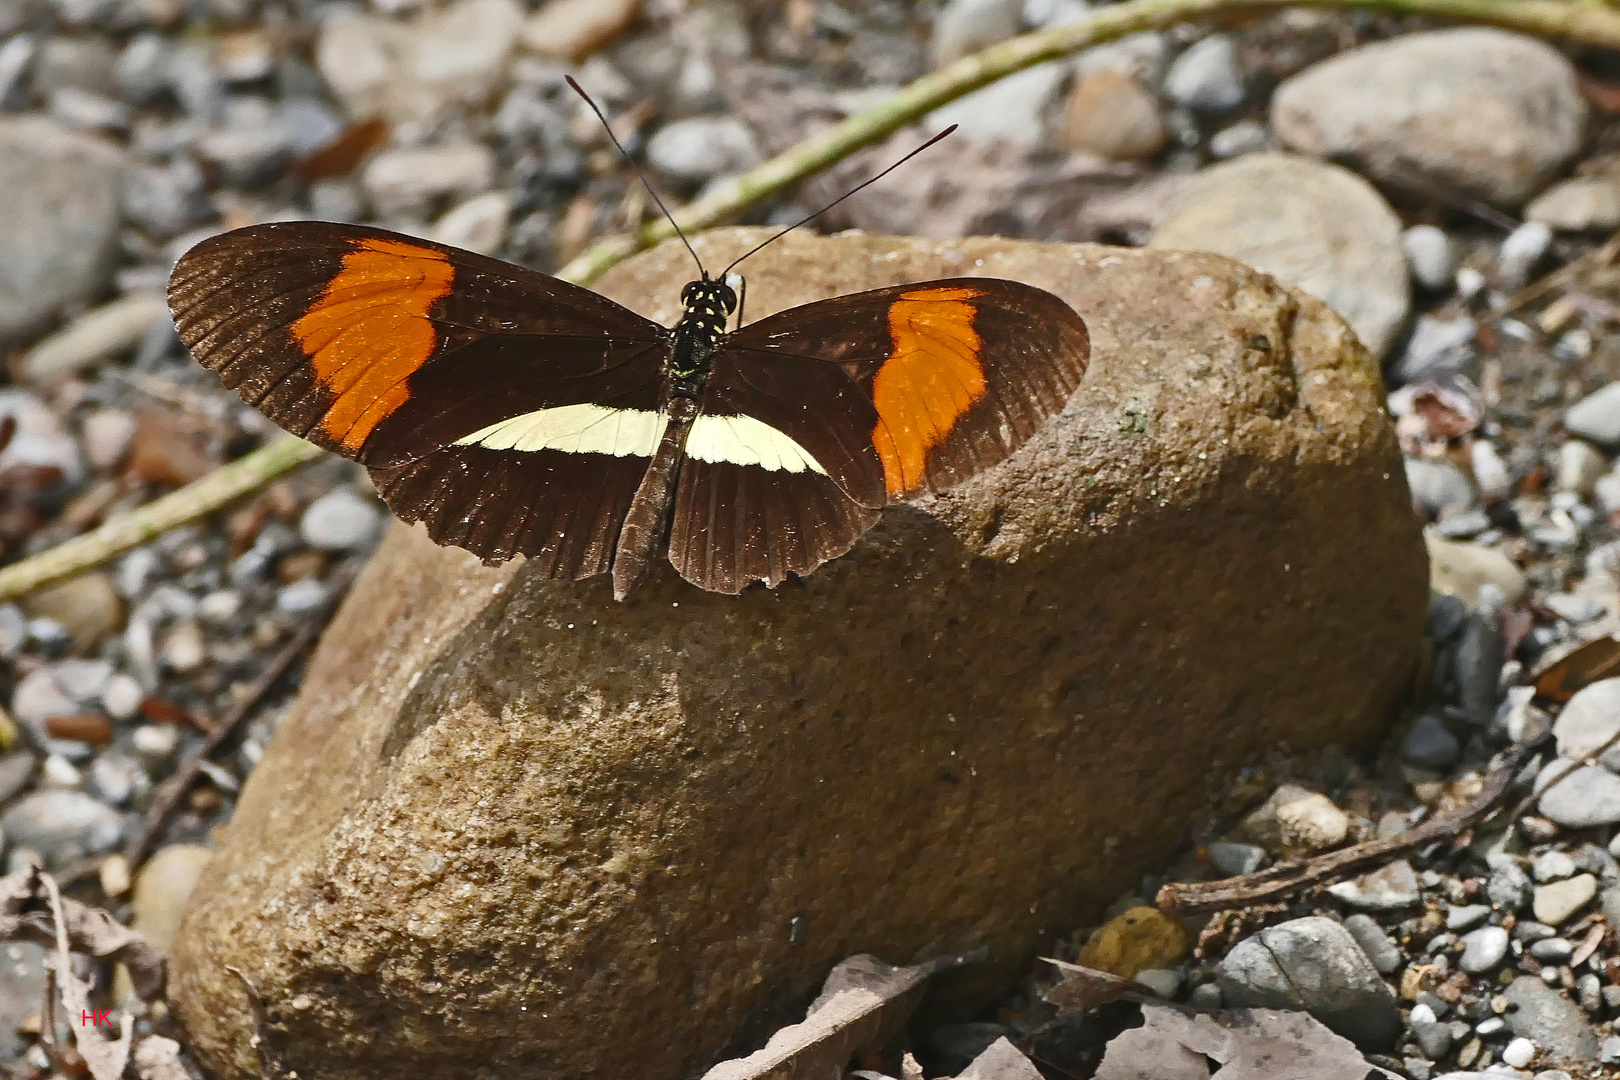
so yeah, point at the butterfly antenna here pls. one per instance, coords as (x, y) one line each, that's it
(639, 174)
(841, 198)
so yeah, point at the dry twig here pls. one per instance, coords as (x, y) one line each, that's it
(1297, 875)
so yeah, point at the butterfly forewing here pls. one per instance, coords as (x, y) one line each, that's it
(410, 357)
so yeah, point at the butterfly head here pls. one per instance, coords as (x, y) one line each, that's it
(708, 300)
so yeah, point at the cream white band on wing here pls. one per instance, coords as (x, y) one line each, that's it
(596, 429)
(742, 440)
(575, 429)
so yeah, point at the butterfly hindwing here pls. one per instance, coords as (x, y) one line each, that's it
(506, 410)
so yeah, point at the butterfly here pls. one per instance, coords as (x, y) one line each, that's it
(513, 413)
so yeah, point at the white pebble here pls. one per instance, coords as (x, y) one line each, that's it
(1430, 256)
(59, 772)
(1490, 471)
(1518, 1053)
(219, 608)
(340, 520)
(122, 697)
(184, 648)
(1520, 252)
(155, 743)
(1422, 1014)
(301, 597)
(1469, 282)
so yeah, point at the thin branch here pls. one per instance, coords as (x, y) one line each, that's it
(1297, 875)
(218, 489)
(174, 789)
(1587, 24)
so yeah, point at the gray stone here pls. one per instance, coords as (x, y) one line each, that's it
(1206, 77)
(1313, 964)
(1467, 916)
(1550, 1020)
(16, 769)
(1437, 347)
(1580, 466)
(1508, 886)
(1438, 485)
(1375, 942)
(1243, 137)
(302, 597)
(551, 701)
(1587, 796)
(1552, 866)
(1385, 889)
(1530, 930)
(1556, 901)
(101, 334)
(1596, 416)
(1589, 720)
(1609, 901)
(1554, 950)
(1009, 110)
(1161, 981)
(1578, 205)
(1434, 1039)
(1311, 224)
(1477, 668)
(1609, 1052)
(1415, 105)
(1483, 949)
(1206, 996)
(1233, 859)
(340, 521)
(63, 826)
(410, 179)
(702, 147)
(22, 988)
(966, 26)
(59, 194)
(1431, 256)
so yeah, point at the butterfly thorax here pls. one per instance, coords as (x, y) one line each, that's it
(707, 304)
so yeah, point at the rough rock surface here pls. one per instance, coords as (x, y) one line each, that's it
(510, 820)
(1314, 225)
(1483, 111)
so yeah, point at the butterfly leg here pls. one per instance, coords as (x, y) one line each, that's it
(647, 523)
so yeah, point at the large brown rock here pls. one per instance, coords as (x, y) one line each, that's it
(513, 828)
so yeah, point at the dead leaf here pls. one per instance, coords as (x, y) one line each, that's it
(104, 1057)
(1557, 678)
(1584, 951)
(157, 1058)
(1247, 1044)
(1001, 1060)
(340, 156)
(1086, 988)
(862, 1002)
(89, 930)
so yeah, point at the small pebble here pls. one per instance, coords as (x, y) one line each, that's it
(1431, 257)
(1206, 77)
(1552, 866)
(340, 521)
(301, 597)
(1162, 981)
(122, 697)
(1508, 886)
(1392, 886)
(1521, 251)
(1483, 950)
(1205, 996)
(1518, 1053)
(1433, 1039)
(1234, 859)
(1375, 942)
(1554, 950)
(1467, 916)
(59, 772)
(155, 743)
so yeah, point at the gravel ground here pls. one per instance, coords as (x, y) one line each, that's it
(129, 129)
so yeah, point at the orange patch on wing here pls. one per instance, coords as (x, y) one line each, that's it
(932, 377)
(369, 332)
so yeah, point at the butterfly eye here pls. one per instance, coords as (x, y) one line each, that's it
(688, 293)
(728, 298)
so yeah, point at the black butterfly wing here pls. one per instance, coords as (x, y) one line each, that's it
(818, 416)
(511, 412)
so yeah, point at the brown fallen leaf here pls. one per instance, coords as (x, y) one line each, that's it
(862, 1002)
(1248, 1044)
(1086, 988)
